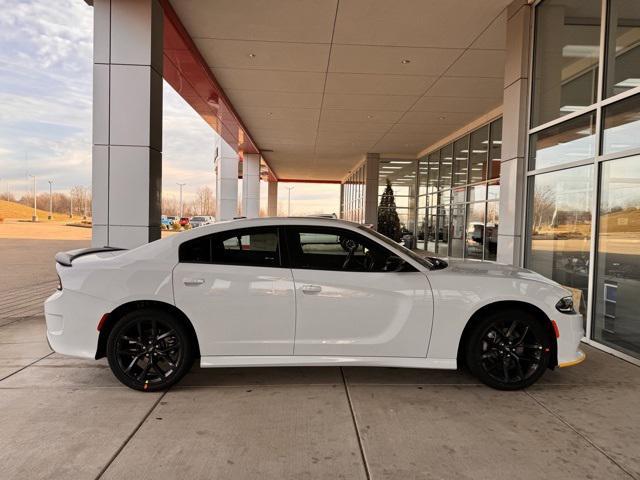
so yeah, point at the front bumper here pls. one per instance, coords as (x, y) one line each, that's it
(72, 319)
(571, 331)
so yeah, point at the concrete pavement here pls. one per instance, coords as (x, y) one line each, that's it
(69, 418)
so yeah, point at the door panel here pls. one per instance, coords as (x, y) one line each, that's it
(233, 289)
(238, 310)
(355, 297)
(362, 313)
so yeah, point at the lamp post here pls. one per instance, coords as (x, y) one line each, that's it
(181, 185)
(34, 217)
(289, 202)
(50, 200)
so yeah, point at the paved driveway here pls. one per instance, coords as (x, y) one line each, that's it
(69, 418)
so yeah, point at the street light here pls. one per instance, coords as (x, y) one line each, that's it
(50, 200)
(34, 217)
(181, 185)
(289, 205)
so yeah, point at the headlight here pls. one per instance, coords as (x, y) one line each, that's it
(59, 286)
(565, 305)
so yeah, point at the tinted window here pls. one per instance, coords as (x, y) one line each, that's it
(251, 247)
(321, 248)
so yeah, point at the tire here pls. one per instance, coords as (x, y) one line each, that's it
(149, 350)
(508, 350)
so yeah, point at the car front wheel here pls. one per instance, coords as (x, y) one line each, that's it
(149, 350)
(508, 350)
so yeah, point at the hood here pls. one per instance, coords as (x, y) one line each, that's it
(479, 268)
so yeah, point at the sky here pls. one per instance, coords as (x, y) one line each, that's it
(46, 51)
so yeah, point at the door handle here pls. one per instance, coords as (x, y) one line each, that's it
(311, 288)
(191, 282)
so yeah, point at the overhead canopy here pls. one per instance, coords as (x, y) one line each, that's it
(318, 83)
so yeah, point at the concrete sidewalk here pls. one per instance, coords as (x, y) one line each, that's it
(69, 418)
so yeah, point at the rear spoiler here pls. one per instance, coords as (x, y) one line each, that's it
(65, 258)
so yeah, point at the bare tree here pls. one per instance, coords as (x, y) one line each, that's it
(544, 206)
(204, 202)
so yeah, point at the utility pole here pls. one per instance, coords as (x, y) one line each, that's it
(70, 204)
(289, 203)
(34, 217)
(50, 200)
(181, 185)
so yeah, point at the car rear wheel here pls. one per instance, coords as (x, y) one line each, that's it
(508, 350)
(149, 350)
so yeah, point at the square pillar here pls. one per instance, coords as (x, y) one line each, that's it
(251, 185)
(226, 182)
(272, 199)
(127, 122)
(371, 189)
(514, 134)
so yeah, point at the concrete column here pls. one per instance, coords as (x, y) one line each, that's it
(226, 181)
(251, 185)
(514, 133)
(272, 199)
(371, 189)
(341, 201)
(127, 122)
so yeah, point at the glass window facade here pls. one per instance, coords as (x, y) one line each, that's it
(584, 170)
(617, 287)
(458, 196)
(566, 57)
(353, 195)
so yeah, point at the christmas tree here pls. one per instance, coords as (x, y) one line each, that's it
(388, 221)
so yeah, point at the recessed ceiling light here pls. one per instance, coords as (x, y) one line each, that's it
(405, 61)
(369, 116)
(442, 117)
(252, 55)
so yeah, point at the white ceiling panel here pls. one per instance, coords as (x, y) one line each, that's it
(302, 57)
(479, 63)
(480, 87)
(388, 60)
(308, 21)
(394, 77)
(270, 80)
(371, 116)
(420, 23)
(260, 98)
(456, 104)
(376, 84)
(393, 103)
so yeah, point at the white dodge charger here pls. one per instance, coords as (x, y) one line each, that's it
(305, 291)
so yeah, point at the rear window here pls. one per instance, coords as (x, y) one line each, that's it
(258, 247)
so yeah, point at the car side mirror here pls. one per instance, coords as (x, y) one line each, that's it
(394, 264)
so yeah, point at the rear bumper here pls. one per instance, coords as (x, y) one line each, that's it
(571, 332)
(72, 319)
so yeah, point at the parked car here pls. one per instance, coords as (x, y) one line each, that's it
(308, 292)
(166, 222)
(201, 220)
(184, 221)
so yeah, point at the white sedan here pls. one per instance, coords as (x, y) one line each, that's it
(305, 291)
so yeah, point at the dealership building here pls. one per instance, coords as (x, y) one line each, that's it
(509, 130)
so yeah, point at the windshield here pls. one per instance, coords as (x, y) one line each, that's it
(425, 262)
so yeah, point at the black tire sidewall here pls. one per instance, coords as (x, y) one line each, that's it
(473, 350)
(146, 314)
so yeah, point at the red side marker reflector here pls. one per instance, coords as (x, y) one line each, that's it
(102, 320)
(555, 328)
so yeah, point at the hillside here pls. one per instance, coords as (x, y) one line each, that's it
(18, 211)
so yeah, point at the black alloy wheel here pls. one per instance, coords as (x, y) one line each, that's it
(509, 350)
(149, 350)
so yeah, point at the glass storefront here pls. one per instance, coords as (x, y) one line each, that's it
(584, 171)
(353, 195)
(616, 320)
(458, 196)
